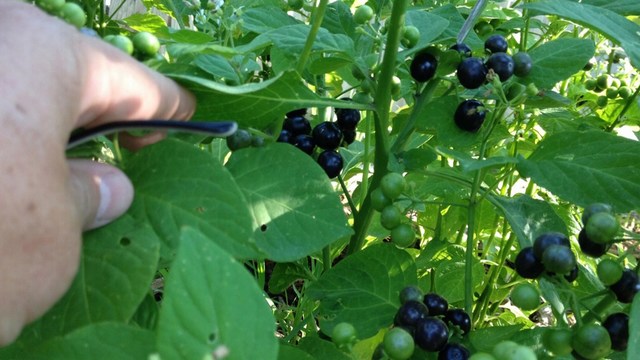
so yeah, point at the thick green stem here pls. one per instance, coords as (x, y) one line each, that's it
(316, 21)
(423, 99)
(381, 117)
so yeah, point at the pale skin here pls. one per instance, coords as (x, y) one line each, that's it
(54, 80)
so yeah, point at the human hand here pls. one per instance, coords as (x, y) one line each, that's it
(54, 80)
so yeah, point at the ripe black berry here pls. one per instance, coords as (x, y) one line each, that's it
(627, 287)
(523, 64)
(431, 334)
(240, 139)
(496, 44)
(527, 264)
(423, 66)
(501, 64)
(436, 304)
(285, 137)
(617, 326)
(463, 49)
(327, 135)
(410, 313)
(347, 118)
(589, 247)
(304, 143)
(542, 242)
(459, 318)
(471, 73)
(469, 115)
(348, 136)
(297, 125)
(453, 351)
(297, 112)
(572, 275)
(331, 162)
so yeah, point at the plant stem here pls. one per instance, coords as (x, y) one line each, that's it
(352, 205)
(626, 108)
(423, 99)
(381, 117)
(599, 309)
(316, 20)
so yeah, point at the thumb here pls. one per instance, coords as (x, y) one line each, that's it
(101, 192)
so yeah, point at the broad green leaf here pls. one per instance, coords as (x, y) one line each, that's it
(289, 352)
(615, 27)
(633, 347)
(146, 22)
(217, 65)
(321, 349)
(172, 192)
(263, 19)
(486, 338)
(587, 167)
(191, 37)
(285, 274)
(451, 14)
(450, 278)
(363, 289)
(256, 104)
(117, 265)
(430, 26)
(338, 19)
(622, 7)
(529, 218)
(418, 158)
(98, 341)
(468, 164)
(211, 304)
(558, 59)
(295, 210)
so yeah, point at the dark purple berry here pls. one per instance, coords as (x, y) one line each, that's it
(327, 135)
(297, 125)
(469, 115)
(501, 64)
(347, 118)
(496, 44)
(471, 73)
(304, 143)
(453, 351)
(431, 334)
(459, 318)
(627, 287)
(542, 242)
(572, 275)
(348, 136)
(463, 49)
(285, 137)
(423, 66)
(589, 247)
(331, 162)
(297, 112)
(527, 264)
(410, 313)
(436, 304)
(617, 326)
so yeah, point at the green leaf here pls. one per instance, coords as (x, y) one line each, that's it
(211, 305)
(118, 263)
(468, 164)
(622, 7)
(615, 27)
(486, 338)
(321, 349)
(146, 22)
(430, 26)
(338, 19)
(363, 289)
(288, 352)
(450, 13)
(172, 193)
(263, 19)
(257, 104)
(285, 274)
(587, 167)
(106, 341)
(558, 59)
(633, 347)
(217, 65)
(529, 218)
(295, 210)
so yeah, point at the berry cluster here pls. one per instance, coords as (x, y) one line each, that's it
(142, 45)
(328, 136)
(613, 88)
(550, 252)
(391, 217)
(426, 321)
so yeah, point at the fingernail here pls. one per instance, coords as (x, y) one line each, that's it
(116, 194)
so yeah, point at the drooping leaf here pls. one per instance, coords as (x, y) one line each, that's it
(98, 341)
(257, 104)
(179, 185)
(117, 265)
(587, 167)
(212, 305)
(363, 289)
(615, 27)
(558, 59)
(295, 210)
(529, 218)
